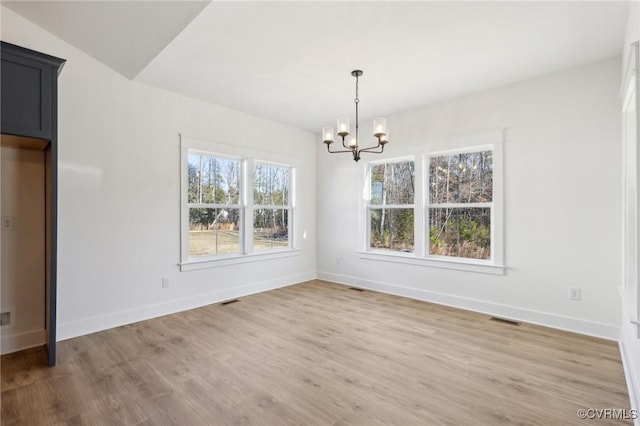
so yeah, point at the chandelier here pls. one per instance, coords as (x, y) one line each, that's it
(352, 145)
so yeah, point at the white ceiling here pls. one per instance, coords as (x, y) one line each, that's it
(125, 35)
(291, 61)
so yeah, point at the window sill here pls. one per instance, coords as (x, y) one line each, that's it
(193, 265)
(469, 265)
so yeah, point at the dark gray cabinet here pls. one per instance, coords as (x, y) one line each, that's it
(28, 119)
(29, 82)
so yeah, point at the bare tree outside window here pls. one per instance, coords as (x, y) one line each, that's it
(234, 208)
(391, 206)
(460, 203)
(271, 206)
(214, 209)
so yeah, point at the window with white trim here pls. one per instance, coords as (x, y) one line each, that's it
(390, 205)
(213, 195)
(443, 210)
(233, 207)
(460, 204)
(271, 205)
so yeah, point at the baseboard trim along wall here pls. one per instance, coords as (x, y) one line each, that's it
(21, 341)
(589, 328)
(104, 322)
(69, 330)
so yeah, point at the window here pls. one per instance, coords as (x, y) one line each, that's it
(271, 206)
(233, 207)
(443, 209)
(214, 204)
(460, 193)
(390, 207)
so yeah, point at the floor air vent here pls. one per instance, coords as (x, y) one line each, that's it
(505, 321)
(228, 302)
(356, 289)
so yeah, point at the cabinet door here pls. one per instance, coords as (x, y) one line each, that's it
(29, 97)
(26, 97)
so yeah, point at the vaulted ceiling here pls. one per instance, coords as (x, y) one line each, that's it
(291, 61)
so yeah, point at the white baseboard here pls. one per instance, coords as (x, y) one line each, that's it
(20, 341)
(73, 329)
(605, 331)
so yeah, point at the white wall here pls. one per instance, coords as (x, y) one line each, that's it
(23, 249)
(119, 181)
(629, 333)
(119, 195)
(562, 203)
(632, 33)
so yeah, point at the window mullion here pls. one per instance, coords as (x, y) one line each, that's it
(213, 206)
(248, 207)
(460, 205)
(291, 201)
(418, 209)
(497, 210)
(367, 242)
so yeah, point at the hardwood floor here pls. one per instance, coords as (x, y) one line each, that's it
(318, 354)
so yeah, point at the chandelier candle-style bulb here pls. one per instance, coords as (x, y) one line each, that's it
(343, 126)
(384, 138)
(353, 142)
(379, 127)
(327, 135)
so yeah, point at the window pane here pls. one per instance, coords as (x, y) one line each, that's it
(214, 231)
(392, 183)
(392, 229)
(270, 228)
(212, 180)
(460, 232)
(270, 185)
(461, 178)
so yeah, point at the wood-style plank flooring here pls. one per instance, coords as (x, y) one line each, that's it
(317, 354)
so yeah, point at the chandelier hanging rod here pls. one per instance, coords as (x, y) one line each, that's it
(380, 131)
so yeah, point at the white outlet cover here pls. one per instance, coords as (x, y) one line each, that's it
(12, 312)
(575, 293)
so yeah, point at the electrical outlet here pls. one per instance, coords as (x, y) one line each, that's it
(7, 223)
(338, 260)
(165, 282)
(5, 318)
(575, 293)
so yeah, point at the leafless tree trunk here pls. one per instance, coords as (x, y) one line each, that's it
(384, 198)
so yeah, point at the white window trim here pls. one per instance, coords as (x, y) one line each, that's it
(239, 206)
(491, 205)
(251, 206)
(246, 157)
(367, 198)
(491, 139)
(238, 259)
(459, 264)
